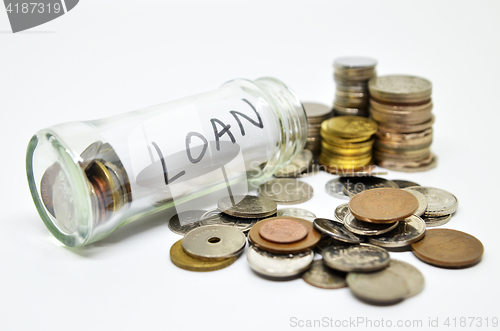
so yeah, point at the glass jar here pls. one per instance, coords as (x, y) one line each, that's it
(89, 178)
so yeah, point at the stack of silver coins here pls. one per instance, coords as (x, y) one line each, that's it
(351, 75)
(402, 107)
(316, 114)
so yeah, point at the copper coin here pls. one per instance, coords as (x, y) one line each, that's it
(448, 248)
(311, 240)
(283, 231)
(383, 205)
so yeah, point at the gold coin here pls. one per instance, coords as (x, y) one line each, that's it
(333, 139)
(186, 262)
(349, 126)
(345, 150)
(98, 169)
(349, 170)
(340, 143)
(331, 161)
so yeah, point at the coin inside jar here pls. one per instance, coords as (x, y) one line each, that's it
(283, 230)
(214, 241)
(383, 205)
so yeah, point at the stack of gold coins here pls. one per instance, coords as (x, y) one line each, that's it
(316, 114)
(402, 107)
(347, 144)
(351, 75)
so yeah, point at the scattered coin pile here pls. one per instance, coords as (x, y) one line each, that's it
(301, 165)
(347, 144)
(351, 75)
(402, 107)
(316, 114)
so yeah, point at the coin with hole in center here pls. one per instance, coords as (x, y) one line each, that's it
(283, 231)
(214, 241)
(383, 205)
(184, 261)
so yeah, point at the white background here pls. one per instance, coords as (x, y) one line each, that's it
(108, 57)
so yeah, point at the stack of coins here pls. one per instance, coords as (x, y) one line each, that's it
(281, 247)
(351, 75)
(347, 143)
(402, 107)
(316, 114)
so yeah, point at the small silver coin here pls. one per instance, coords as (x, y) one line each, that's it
(89, 153)
(337, 231)
(355, 185)
(286, 191)
(404, 183)
(362, 257)
(412, 275)
(341, 211)
(214, 241)
(336, 189)
(190, 220)
(248, 206)
(366, 229)
(422, 202)
(278, 265)
(299, 164)
(408, 231)
(316, 110)
(439, 202)
(214, 216)
(296, 212)
(320, 275)
(436, 221)
(383, 287)
(354, 62)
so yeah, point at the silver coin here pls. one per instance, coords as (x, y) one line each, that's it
(408, 231)
(414, 278)
(336, 189)
(216, 217)
(404, 183)
(337, 231)
(316, 110)
(286, 191)
(355, 185)
(383, 287)
(299, 164)
(341, 211)
(320, 275)
(436, 221)
(214, 241)
(439, 202)
(366, 229)
(89, 154)
(312, 170)
(190, 220)
(278, 265)
(247, 206)
(296, 212)
(362, 257)
(422, 202)
(354, 62)
(327, 241)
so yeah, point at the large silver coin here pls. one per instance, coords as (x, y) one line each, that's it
(296, 212)
(439, 202)
(213, 217)
(285, 191)
(366, 229)
(299, 164)
(436, 221)
(422, 202)
(408, 231)
(355, 185)
(320, 275)
(337, 231)
(214, 241)
(316, 112)
(362, 257)
(247, 206)
(190, 220)
(341, 211)
(412, 275)
(383, 287)
(354, 62)
(404, 183)
(336, 189)
(278, 265)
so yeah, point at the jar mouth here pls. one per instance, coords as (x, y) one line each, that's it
(60, 189)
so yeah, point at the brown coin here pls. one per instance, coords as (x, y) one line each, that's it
(448, 248)
(283, 231)
(383, 205)
(309, 241)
